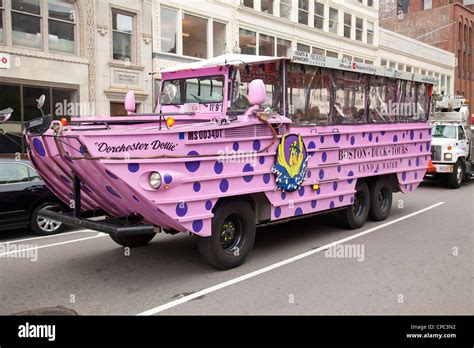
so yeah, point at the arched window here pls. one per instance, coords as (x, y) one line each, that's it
(48, 25)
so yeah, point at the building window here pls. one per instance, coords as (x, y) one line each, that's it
(358, 60)
(369, 62)
(370, 33)
(248, 41)
(283, 48)
(26, 23)
(194, 36)
(303, 11)
(346, 58)
(247, 3)
(303, 48)
(347, 25)
(427, 4)
(61, 26)
(122, 36)
(218, 35)
(332, 54)
(2, 40)
(392, 65)
(333, 20)
(359, 28)
(169, 30)
(401, 67)
(285, 9)
(383, 63)
(266, 45)
(408, 68)
(318, 51)
(318, 15)
(370, 3)
(267, 6)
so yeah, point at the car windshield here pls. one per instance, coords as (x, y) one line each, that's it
(440, 131)
(202, 90)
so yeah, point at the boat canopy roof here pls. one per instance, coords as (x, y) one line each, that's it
(307, 59)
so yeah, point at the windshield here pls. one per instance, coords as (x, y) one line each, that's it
(202, 90)
(440, 131)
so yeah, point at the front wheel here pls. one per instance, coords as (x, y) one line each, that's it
(355, 216)
(456, 178)
(380, 199)
(233, 235)
(43, 226)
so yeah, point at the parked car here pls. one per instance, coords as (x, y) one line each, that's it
(22, 195)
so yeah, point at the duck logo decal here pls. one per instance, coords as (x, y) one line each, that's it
(291, 164)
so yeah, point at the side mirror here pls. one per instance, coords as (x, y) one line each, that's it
(257, 93)
(5, 115)
(130, 105)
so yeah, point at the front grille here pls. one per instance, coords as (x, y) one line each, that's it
(435, 152)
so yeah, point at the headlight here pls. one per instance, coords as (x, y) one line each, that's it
(155, 180)
(448, 156)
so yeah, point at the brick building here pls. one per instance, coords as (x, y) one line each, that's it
(446, 24)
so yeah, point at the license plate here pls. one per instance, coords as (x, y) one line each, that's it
(444, 168)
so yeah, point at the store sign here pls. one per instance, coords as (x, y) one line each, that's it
(125, 78)
(5, 61)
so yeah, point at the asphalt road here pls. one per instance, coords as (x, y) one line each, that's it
(419, 261)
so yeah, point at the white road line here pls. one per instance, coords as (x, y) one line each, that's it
(42, 237)
(20, 250)
(217, 287)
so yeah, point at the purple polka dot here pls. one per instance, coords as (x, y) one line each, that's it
(311, 145)
(417, 162)
(298, 212)
(334, 185)
(208, 205)
(197, 226)
(383, 133)
(321, 174)
(404, 176)
(318, 191)
(416, 176)
(314, 203)
(421, 148)
(352, 200)
(403, 135)
(337, 138)
(331, 205)
(301, 191)
(395, 138)
(65, 179)
(197, 187)
(218, 167)
(339, 169)
(235, 146)
(133, 167)
(321, 139)
(194, 165)
(39, 148)
(376, 139)
(256, 145)
(112, 191)
(421, 135)
(248, 169)
(181, 209)
(309, 174)
(409, 163)
(168, 179)
(277, 212)
(412, 135)
(350, 174)
(324, 157)
(283, 195)
(429, 131)
(261, 160)
(363, 134)
(428, 146)
(224, 185)
(86, 189)
(112, 175)
(370, 136)
(266, 178)
(353, 140)
(135, 198)
(341, 198)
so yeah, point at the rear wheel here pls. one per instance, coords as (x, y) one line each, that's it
(132, 241)
(233, 235)
(44, 226)
(456, 178)
(356, 215)
(380, 199)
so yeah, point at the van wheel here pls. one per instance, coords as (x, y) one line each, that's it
(356, 215)
(132, 241)
(380, 200)
(43, 226)
(456, 178)
(233, 235)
